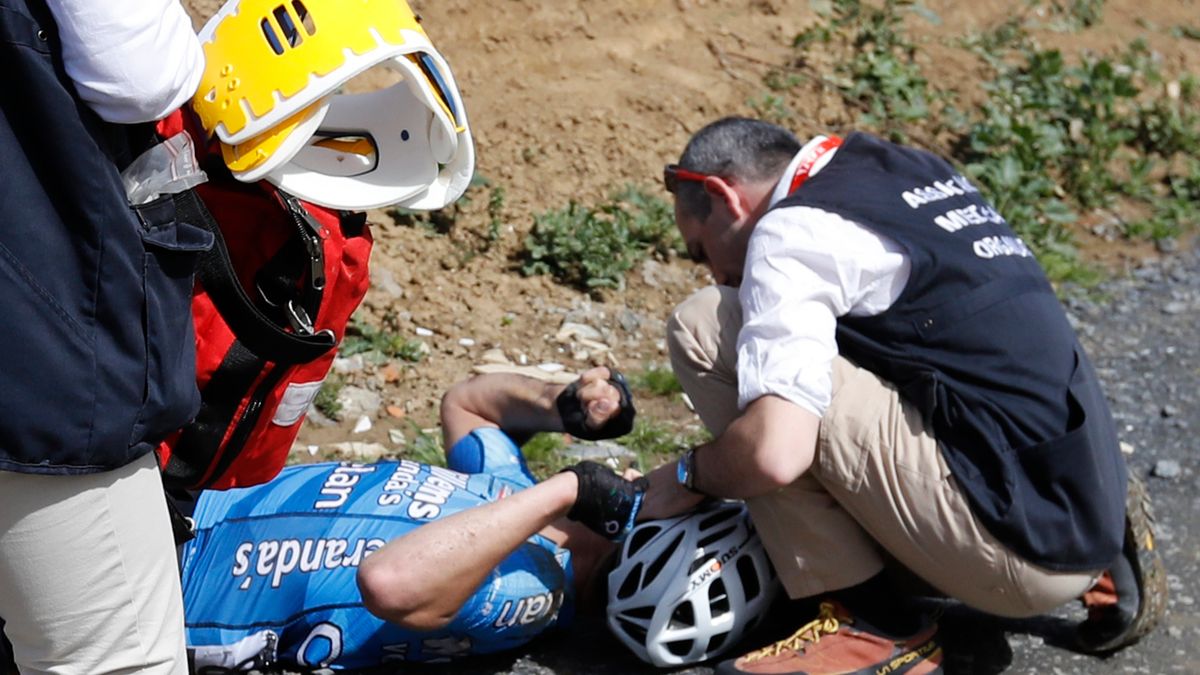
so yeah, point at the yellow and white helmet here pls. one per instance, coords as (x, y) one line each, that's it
(272, 93)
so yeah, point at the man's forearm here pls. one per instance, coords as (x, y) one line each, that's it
(769, 446)
(515, 403)
(420, 580)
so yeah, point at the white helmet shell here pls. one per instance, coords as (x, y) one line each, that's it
(686, 589)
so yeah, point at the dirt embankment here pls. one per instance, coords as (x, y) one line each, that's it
(569, 99)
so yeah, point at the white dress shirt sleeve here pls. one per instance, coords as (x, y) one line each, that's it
(806, 267)
(131, 60)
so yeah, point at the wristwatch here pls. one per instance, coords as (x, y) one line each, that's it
(685, 471)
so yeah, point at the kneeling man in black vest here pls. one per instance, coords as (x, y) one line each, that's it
(889, 375)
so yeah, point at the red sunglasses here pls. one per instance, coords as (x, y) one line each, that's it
(673, 174)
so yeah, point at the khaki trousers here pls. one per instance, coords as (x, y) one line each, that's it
(89, 583)
(878, 484)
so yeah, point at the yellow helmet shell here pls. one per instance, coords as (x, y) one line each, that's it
(270, 93)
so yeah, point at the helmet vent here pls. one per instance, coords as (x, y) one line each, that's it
(683, 616)
(700, 562)
(718, 597)
(680, 648)
(630, 585)
(284, 32)
(717, 517)
(716, 642)
(746, 572)
(645, 613)
(661, 561)
(638, 633)
(306, 19)
(714, 537)
(640, 538)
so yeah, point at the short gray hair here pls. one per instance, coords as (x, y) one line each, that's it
(733, 147)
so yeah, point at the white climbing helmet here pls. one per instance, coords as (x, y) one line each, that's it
(686, 589)
(274, 70)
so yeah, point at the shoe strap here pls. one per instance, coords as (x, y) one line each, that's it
(826, 623)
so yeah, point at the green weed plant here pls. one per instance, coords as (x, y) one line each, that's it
(657, 381)
(363, 338)
(592, 247)
(1058, 141)
(326, 400)
(879, 73)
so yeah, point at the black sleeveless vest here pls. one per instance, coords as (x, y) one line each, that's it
(979, 343)
(97, 363)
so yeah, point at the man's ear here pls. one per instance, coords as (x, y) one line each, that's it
(724, 192)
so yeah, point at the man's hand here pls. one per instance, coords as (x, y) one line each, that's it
(598, 405)
(598, 397)
(606, 503)
(666, 497)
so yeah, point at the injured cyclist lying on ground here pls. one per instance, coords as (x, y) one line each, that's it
(359, 565)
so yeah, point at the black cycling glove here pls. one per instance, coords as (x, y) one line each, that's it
(607, 503)
(574, 417)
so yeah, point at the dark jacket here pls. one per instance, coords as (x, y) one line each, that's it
(97, 364)
(979, 343)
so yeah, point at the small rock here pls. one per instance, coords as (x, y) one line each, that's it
(356, 401)
(397, 438)
(1167, 468)
(390, 373)
(593, 346)
(396, 412)
(313, 450)
(601, 451)
(383, 279)
(580, 355)
(466, 342)
(652, 273)
(424, 332)
(1175, 632)
(1126, 448)
(349, 364)
(362, 425)
(1169, 411)
(551, 367)
(1167, 245)
(495, 356)
(629, 320)
(571, 331)
(359, 451)
(1175, 308)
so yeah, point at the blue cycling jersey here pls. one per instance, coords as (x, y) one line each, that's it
(282, 557)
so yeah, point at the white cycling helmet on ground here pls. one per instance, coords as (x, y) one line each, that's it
(273, 93)
(686, 589)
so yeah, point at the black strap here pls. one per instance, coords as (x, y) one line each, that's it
(250, 325)
(200, 441)
(183, 528)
